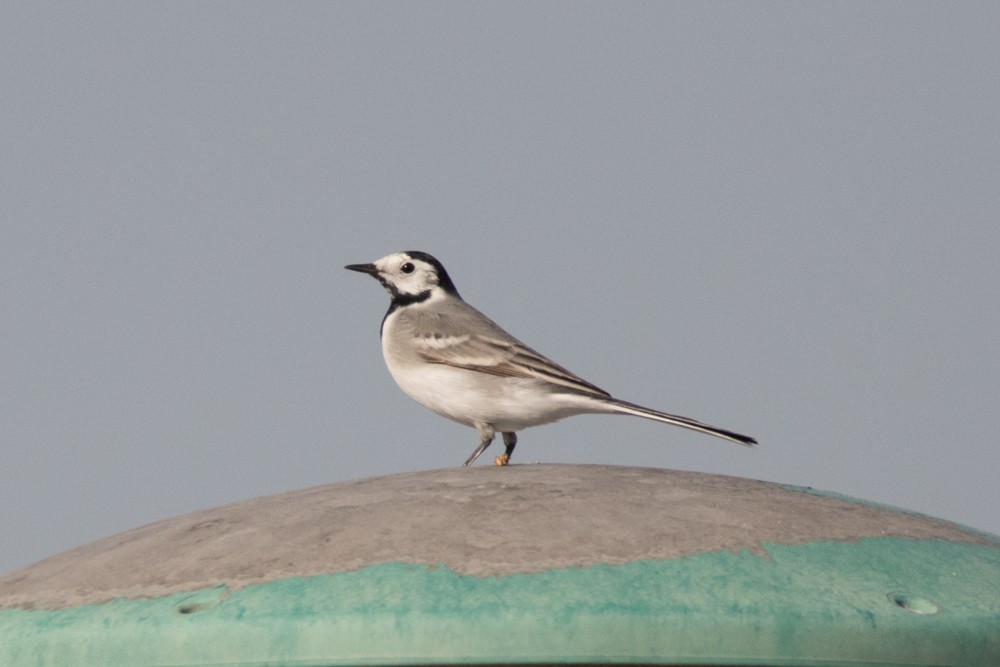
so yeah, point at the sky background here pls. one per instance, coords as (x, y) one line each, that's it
(779, 218)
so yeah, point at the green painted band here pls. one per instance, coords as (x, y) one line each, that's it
(884, 601)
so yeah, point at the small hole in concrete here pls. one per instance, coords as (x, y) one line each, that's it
(916, 604)
(191, 608)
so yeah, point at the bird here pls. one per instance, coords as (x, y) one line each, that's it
(462, 365)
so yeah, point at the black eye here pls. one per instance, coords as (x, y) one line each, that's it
(407, 267)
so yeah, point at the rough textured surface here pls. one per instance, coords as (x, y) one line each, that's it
(879, 601)
(483, 521)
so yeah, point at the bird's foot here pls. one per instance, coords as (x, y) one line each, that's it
(502, 460)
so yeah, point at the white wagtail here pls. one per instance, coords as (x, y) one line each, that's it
(457, 362)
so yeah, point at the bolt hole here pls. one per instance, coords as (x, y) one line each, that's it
(915, 604)
(192, 608)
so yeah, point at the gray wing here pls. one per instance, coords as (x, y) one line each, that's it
(462, 337)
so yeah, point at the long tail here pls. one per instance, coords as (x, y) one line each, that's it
(623, 407)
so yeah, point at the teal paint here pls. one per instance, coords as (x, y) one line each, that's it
(884, 601)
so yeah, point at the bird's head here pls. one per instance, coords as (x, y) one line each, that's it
(409, 275)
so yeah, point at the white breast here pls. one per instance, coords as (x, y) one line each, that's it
(470, 397)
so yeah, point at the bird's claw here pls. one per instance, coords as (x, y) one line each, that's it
(501, 460)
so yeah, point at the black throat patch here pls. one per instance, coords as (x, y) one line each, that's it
(400, 301)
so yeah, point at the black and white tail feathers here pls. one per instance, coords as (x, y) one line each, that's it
(626, 408)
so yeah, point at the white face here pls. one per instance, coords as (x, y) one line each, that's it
(406, 275)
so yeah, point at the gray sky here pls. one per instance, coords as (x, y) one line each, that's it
(779, 218)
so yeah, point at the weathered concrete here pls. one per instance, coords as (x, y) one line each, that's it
(523, 565)
(482, 521)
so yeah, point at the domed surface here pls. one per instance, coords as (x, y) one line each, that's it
(483, 521)
(526, 564)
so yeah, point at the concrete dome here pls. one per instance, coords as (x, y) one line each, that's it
(523, 564)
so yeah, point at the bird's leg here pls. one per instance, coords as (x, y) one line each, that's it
(486, 433)
(509, 441)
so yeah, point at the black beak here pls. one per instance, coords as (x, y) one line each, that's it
(363, 268)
